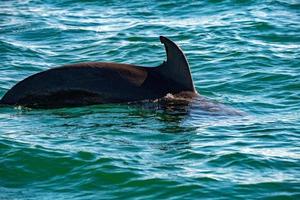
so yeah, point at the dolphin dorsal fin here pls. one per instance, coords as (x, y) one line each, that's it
(176, 67)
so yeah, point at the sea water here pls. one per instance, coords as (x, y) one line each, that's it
(244, 54)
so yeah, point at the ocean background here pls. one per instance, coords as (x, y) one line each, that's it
(243, 53)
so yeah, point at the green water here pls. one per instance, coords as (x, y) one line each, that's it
(242, 53)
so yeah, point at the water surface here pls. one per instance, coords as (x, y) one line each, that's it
(243, 53)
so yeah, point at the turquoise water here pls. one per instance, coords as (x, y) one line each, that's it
(242, 53)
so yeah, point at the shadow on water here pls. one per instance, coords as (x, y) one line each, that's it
(171, 109)
(166, 124)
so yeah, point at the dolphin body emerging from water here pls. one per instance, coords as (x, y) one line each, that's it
(99, 82)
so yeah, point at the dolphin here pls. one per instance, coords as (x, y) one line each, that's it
(92, 83)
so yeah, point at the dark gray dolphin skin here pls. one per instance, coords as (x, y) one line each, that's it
(99, 82)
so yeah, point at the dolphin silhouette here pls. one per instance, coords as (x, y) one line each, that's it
(100, 82)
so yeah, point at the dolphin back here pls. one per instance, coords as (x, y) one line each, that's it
(99, 82)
